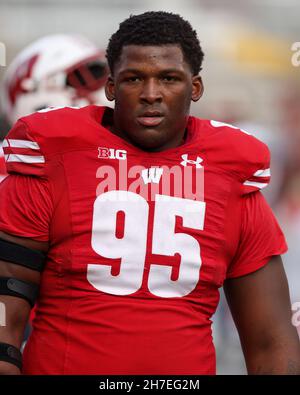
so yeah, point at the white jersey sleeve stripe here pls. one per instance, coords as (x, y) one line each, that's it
(21, 144)
(218, 124)
(263, 173)
(258, 185)
(24, 158)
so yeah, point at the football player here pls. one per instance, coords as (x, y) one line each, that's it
(128, 221)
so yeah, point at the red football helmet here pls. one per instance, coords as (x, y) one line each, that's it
(56, 70)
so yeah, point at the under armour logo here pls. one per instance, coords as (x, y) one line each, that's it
(192, 162)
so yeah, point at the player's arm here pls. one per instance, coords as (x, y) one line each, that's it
(261, 308)
(16, 308)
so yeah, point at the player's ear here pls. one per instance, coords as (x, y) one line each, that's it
(110, 89)
(198, 88)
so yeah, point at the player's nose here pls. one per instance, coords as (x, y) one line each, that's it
(151, 91)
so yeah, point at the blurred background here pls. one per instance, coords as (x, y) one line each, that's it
(251, 78)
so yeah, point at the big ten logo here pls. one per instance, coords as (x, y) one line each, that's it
(2, 314)
(296, 55)
(2, 55)
(111, 153)
(296, 315)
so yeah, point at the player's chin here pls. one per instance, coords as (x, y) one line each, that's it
(150, 139)
(148, 131)
(149, 135)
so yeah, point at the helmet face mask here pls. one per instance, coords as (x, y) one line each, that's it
(87, 76)
(58, 70)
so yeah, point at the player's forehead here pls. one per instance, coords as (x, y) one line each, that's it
(169, 56)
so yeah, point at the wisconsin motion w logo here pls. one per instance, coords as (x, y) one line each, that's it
(152, 175)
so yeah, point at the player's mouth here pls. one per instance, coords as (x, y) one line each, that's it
(150, 118)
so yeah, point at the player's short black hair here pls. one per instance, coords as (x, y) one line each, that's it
(156, 28)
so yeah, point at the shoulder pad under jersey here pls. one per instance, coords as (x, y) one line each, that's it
(243, 154)
(38, 137)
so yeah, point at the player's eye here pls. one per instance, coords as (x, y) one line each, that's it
(132, 79)
(170, 78)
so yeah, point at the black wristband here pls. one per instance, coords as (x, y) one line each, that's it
(11, 354)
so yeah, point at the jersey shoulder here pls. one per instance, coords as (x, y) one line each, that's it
(240, 152)
(38, 137)
(64, 128)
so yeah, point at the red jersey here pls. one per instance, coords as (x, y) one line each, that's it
(139, 242)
